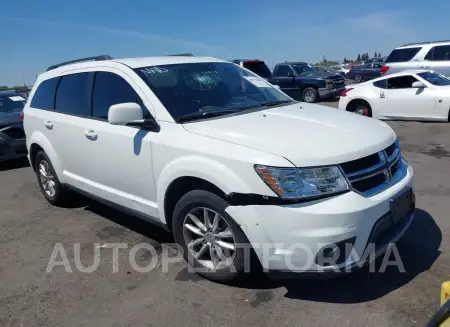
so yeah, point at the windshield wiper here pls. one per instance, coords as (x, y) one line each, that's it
(272, 103)
(206, 113)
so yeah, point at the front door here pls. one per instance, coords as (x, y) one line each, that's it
(401, 100)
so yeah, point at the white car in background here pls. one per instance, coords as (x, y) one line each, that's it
(408, 95)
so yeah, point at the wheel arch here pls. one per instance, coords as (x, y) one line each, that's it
(37, 142)
(185, 174)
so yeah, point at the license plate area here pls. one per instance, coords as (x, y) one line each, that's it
(402, 205)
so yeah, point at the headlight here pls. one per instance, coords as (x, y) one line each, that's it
(299, 183)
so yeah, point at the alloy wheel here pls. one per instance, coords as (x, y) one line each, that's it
(209, 238)
(47, 179)
(309, 96)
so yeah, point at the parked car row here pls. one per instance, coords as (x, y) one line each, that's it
(299, 80)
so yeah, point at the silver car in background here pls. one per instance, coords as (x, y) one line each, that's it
(12, 136)
(434, 55)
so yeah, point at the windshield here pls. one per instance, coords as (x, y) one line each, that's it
(304, 69)
(259, 68)
(192, 89)
(435, 78)
(11, 103)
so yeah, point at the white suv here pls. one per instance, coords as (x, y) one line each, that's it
(222, 159)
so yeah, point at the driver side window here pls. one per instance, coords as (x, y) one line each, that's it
(401, 82)
(284, 71)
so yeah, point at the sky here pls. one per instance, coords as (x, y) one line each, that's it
(37, 34)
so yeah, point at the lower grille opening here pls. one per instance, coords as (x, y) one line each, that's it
(394, 168)
(15, 133)
(369, 183)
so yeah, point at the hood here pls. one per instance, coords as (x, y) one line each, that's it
(305, 134)
(10, 118)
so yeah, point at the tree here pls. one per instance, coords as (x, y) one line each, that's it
(359, 57)
(375, 55)
(3, 87)
(379, 54)
(345, 60)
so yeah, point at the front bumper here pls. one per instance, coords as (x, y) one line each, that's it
(327, 93)
(289, 238)
(12, 148)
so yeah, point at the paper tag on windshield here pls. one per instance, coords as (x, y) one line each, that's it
(256, 81)
(17, 98)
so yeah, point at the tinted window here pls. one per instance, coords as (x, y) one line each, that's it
(196, 90)
(73, 96)
(429, 55)
(381, 84)
(441, 52)
(284, 71)
(401, 82)
(259, 68)
(402, 55)
(111, 89)
(11, 103)
(44, 97)
(434, 78)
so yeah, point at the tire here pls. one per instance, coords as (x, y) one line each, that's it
(194, 203)
(55, 194)
(362, 109)
(358, 79)
(310, 95)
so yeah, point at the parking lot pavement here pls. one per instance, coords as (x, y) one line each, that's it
(30, 228)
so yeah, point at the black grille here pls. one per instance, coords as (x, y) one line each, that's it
(390, 149)
(15, 133)
(369, 183)
(339, 82)
(360, 164)
(394, 167)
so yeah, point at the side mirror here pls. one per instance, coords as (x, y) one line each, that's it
(124, 113)
(418, 84)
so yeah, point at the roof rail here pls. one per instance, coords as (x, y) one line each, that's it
(428, 42)
(183, 55)
(96, 58)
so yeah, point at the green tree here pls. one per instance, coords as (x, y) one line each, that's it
(379, 54)
(3, 87)
(358, 58)
(375, 55)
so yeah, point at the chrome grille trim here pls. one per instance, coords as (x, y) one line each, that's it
(384, 167)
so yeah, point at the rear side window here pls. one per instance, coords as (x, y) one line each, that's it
(73, 96)
(381, 84)
(402, 55)
(439, 53)
(111, 89)
(44, 97)
(259, 68)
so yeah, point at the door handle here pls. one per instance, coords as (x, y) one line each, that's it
(382, 95)
(91, 134)
(48, 124)
(424, 66)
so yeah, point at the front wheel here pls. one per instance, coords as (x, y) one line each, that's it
(212, 242)
(358, 78)
(310, 95)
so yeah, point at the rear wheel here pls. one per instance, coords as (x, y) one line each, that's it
(358, 78)
(360, 107)
(48, 181)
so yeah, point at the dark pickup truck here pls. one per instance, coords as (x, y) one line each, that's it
(303, 81)
(365, 72)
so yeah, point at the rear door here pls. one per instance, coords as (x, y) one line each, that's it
(438, 59)
(401, 100)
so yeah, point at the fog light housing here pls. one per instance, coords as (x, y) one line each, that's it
(335, 253)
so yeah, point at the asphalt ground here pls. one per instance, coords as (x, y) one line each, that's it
(30, 228)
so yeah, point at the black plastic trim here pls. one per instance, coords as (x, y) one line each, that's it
(247, 199)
